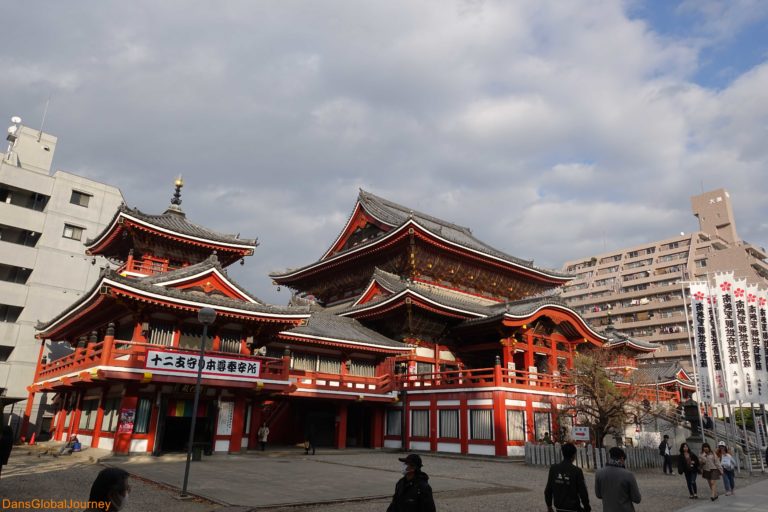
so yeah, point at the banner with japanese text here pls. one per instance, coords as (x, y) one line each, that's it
(756, 343)
(706, 359)
(213, 366)
(731, 347)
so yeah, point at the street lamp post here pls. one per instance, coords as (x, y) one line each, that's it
(205, 316)
(656, 415)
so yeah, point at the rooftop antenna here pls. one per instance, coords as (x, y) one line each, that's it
(13, 132)
(42, 123)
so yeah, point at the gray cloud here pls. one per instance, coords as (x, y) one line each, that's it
(552, 131)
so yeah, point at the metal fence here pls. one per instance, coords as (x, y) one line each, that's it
(589, 457)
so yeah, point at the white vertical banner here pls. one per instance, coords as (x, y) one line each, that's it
(744, 341)
(755, 339)
(726, 313)
(719, 390)
(702, 348)
(762, 315)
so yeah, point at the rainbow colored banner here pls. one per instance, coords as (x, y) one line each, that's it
(183, 409)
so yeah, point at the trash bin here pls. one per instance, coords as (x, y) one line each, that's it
(197, 451)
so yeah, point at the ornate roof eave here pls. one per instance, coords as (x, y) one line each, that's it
(412, 297)
(210, 265)
(403, 230)
(529, 309)
(123, 214)
(617, 339)
(111, 282)
(341, 343)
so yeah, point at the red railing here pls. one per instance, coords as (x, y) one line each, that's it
(129, 354)
(306, 380)
(483, 377)
(147, 267)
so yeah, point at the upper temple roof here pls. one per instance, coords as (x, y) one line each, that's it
(393, 216)
(171, 222)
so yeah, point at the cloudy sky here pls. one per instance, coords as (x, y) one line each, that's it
(555, 130)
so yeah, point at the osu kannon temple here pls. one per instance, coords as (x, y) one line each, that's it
(408, 332)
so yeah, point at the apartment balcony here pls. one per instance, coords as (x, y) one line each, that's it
(21, 217)
(112, 359)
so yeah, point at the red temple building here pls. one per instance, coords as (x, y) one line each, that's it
(408, 332)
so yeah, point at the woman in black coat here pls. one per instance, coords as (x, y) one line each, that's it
(6, 443)
(688, 464)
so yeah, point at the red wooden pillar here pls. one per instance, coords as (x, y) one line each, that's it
(238, 424)
(61, 416)
(377, 428)
(406, 425)
(464, 424)
(154, 416)
(130, 401)
(499, 415)
(31, 397)
(341, 426)
(529, 423)
(433, 424)
(74, 424)
(99, 419)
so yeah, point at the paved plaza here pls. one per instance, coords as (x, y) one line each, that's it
(344, 481)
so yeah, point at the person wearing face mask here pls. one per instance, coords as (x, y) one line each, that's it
(412, 492)
(109, 491)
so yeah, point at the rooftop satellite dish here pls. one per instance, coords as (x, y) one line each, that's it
(16, 119)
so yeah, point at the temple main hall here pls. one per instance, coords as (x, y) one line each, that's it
(408, 332)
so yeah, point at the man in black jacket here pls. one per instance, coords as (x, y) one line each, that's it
(566, 485)
(665, 450)
(412, 492)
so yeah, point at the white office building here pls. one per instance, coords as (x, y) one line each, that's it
(44, 220)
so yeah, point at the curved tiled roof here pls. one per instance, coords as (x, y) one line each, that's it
(396, 284)
(617, 338)
(212, 262)
(173, 219)
(326, 325)
(396, 215)
(149, 285)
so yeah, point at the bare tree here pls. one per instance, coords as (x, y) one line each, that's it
(603, 398)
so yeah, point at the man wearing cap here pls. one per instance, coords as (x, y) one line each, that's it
(665, 450)
(412, 492)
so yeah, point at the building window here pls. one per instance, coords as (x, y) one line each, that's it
(516, 425)
(13, 274)
(423, 368)
(394, 422)
(481, 424)
(143, 413)
(541, 421)
(191, 336)
(362, 368)
(80, 198)
(449, 423)
(5, 352)
(420, 423)
(88, 412)
(73, 232)
(9, 313)
(230, 342)
(109, 421)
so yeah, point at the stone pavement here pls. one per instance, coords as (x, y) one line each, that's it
(752, 498)
(331, 481)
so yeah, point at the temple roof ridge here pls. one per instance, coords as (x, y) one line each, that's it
(173, 293)
(173, 220)
(325, 324)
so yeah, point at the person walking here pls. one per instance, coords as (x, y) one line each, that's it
(565, 485)
(688, 465)
(109, 491)
(615, 485)
(728, 463)
(263, 434)
(412, 492)
(6, 445)
(710, 469)
(665, 450)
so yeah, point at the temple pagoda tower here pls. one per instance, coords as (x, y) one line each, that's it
(129, 345)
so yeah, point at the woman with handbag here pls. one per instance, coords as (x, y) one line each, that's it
(688, 465)
(711, 469)
(729, 469)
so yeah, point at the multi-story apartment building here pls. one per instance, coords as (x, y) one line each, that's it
(44, 220)
(641, 290)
